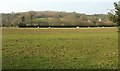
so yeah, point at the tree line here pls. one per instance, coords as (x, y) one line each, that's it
(54, 19)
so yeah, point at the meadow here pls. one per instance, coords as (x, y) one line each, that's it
(90, 48)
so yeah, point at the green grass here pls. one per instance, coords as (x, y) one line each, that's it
(60, 48)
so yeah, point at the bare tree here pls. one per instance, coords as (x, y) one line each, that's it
(31, 14)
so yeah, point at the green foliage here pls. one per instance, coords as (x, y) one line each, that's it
(116, 17)
(113, 17)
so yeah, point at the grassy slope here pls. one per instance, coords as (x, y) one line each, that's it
(60, 48)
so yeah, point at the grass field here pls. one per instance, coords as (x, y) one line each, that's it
(60, 48)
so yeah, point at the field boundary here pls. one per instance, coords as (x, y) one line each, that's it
(62, 28)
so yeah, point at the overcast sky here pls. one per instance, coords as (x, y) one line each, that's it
(80, 6)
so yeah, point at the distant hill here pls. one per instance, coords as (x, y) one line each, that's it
(54, 19)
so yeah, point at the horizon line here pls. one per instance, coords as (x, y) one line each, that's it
(50, 10)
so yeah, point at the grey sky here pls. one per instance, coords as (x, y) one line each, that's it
(81, 6)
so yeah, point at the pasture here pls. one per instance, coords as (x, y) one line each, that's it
(89, 48)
